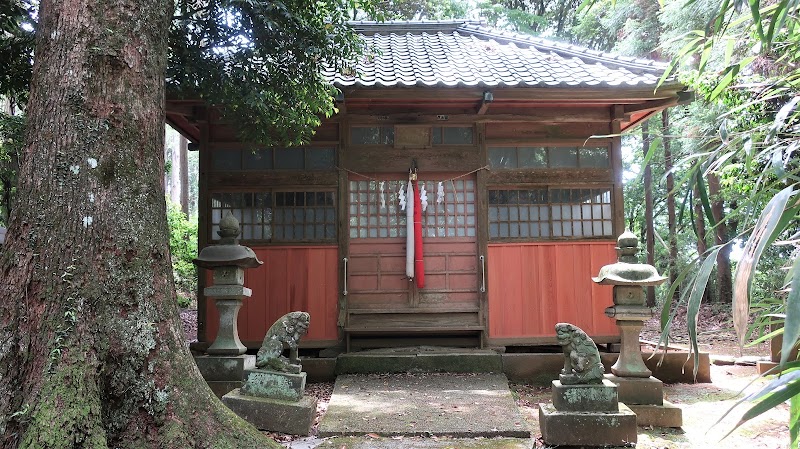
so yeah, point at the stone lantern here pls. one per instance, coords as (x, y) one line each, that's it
(228, 261)
(629, 278)
(637, 388)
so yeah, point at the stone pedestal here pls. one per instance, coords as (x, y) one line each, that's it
(224, 373)
(586, 415)
(272, 384)
(587, 429)
(645, 396)
(585, 398)
(228, 299)
(630, 320)
(274, 415)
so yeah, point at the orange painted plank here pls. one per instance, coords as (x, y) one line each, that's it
(291, 278)
(533, 286)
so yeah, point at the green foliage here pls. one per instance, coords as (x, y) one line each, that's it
(420, 10)
(12, 129)
(550, 18)
(16, 49)
(262, 61)
(746, 63)
(183, 247)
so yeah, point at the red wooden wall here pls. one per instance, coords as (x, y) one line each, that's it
(291, 278)
(533, 286)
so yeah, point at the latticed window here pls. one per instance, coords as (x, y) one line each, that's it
(550, 213)
(452, 135)
(372, 135)
(278, 216)
(548, 157)
(370, 218)
(297, 158)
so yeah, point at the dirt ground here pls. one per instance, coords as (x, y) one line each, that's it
(703, 404)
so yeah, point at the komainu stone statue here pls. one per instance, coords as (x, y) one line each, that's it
(286, 332)
(582, 363)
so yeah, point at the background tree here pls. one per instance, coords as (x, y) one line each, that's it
(91, 351)
(417, 10)
(744, 64)
(11, 131)
(16, 51)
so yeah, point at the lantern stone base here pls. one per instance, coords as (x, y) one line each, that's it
(224, 373)
(274, 415)
(587, 428)
(664, 415)
(638, 390)
(645, 396)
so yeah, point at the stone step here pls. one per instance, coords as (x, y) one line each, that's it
(420, 361)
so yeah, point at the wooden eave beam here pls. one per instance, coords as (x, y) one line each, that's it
(541, 115)
(488, 98)
(616, 94)
(651, 106)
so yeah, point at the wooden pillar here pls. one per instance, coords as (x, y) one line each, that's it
(616, 166)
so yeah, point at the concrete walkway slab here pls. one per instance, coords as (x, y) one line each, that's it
(458, 405)
(399, 442)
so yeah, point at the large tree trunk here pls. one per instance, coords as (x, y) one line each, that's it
(671, 219)
(649, 226)
(724, 276)
(91, 351)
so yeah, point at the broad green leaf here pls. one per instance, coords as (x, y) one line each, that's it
(755, 11)
(699, 285)
(701, 189)
(781, 116)
(766, 337)
(786, 389)
(779, 16)
(776, 392)
(745, 270)
(718, 22)
(731, 44)
(778, 382)
(791, 326)
(728, 75)
(794, 420)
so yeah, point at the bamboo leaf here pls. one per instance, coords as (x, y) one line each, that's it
(723, 9)
(777, 22)
(693, 307)
(775, 383)
(791, 326)
(765, 337)
(755, 11)
(688, 49)
(728, 76)
(788, 388)
(745, 269)
(781, 116)
(775, 393)
(731, 44)
(794, 420)
(701, 189)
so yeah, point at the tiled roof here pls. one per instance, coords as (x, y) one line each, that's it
(467, 53)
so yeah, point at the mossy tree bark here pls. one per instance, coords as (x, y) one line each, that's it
(91, 351)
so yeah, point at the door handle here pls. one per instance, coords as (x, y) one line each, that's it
(483, 274)
(344, 292)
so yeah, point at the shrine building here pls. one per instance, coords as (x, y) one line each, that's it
(516, 142)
